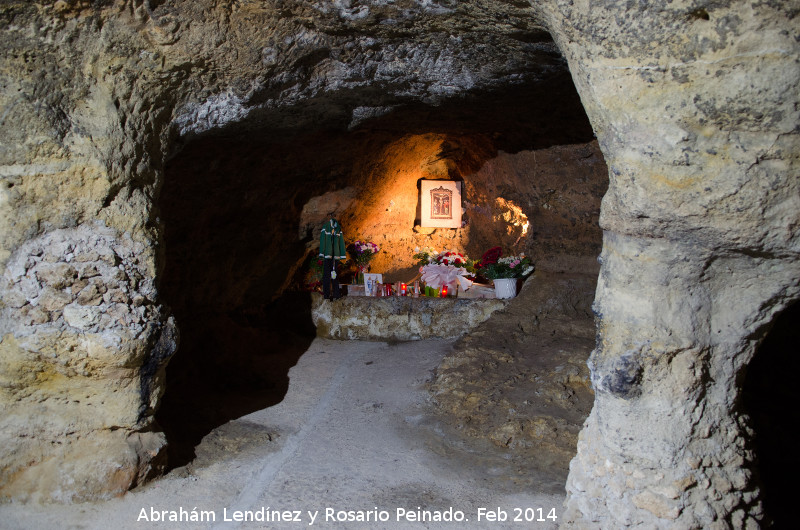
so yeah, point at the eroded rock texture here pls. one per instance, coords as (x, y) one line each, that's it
(520, 379)
(81, 357)
(97, 96)
(695, 108)
(396, 318)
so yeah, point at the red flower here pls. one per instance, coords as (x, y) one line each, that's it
(490, 256)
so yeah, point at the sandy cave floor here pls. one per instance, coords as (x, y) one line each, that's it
(354, 433)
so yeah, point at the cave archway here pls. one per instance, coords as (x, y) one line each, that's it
(237, 243)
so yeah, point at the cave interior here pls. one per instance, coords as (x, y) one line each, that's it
(187, 153)
(239, 231)
(242, 205)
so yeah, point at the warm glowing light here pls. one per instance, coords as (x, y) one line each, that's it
(513, 216)
(385, 211)
(444, 291)
(403, 289)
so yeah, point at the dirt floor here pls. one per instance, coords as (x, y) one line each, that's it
(355, 437)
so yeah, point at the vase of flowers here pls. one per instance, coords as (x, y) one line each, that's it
(505, 287)
(504, 271)
(362, 253)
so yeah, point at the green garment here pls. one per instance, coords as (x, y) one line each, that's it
(331, 241)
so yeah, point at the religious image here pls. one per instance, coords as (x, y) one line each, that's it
(440, 203)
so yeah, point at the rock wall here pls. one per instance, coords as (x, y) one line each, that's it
(84, 336)
(82, 366)
(520, 380)
(695, 107)
(543, 202)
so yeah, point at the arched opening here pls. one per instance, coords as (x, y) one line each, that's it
(771, 397)
(242, 209)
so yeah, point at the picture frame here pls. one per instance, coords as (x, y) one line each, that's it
(440, 204)
(370, 280)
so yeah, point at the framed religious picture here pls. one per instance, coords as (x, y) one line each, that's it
(371, 281)
(440, 203)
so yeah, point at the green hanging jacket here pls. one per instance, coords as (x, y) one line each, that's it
(331, 241)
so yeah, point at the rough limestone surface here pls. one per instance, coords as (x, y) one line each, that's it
(399, 318)
(520, 379)
(695, 107)
(82, 366)
(95, 97)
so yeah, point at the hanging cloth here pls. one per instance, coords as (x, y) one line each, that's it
(331, 241)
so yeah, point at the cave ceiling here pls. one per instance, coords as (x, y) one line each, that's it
(291, 65)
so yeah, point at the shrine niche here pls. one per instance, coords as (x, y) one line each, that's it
(440, 203)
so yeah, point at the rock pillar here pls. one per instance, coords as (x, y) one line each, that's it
(696, 111)
(84, 340)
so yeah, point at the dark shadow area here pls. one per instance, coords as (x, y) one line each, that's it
(771, 397)
(233, 364)
(516, 118)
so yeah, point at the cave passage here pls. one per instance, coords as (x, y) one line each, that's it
(234, 260)
(772, 400)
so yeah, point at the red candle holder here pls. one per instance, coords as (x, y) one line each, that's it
(444, 291)
(403, 289)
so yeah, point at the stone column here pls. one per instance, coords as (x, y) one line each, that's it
(696, 109)
(84, 340)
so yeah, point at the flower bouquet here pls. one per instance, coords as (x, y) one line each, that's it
(454, 259)
(447, 268)
(504, 271)
(429, 256)
(362, 253)
(425, 256)
(507, 267)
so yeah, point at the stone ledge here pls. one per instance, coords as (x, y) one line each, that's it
(399, 318)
